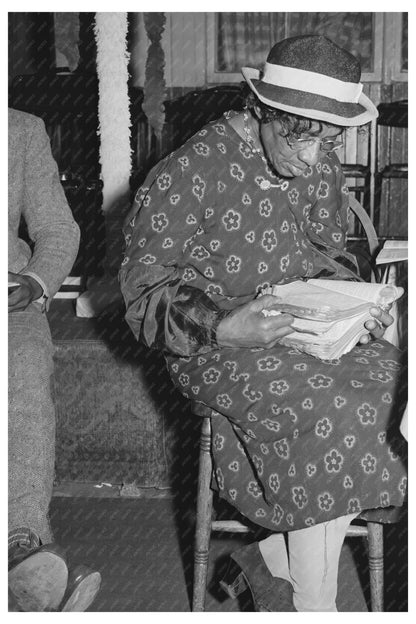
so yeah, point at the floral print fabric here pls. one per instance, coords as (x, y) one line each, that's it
(296, 440)
(304, 441)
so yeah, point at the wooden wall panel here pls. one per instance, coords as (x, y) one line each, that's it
(187, 50)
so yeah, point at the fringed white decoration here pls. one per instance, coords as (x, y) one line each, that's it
(113, 107)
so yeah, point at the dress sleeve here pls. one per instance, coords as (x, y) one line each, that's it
(328, 220)
(163, 311)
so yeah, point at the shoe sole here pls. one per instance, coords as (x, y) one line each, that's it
(38, 583)
(84, 594)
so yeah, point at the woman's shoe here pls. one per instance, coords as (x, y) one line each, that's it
(247, 570)
(37, 578)
(234, 582)
(83, 586)
(278, 598)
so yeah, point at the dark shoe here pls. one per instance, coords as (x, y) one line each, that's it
(279, 598)
(247, 570)
(234, 582)
(83, 586)
(37, 579)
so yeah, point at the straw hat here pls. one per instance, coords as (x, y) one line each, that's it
(313, 77)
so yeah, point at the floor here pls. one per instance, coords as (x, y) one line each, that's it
(143, 549)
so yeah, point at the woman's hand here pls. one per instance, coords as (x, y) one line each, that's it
(28, 291)
(247, 326)
(377, 325)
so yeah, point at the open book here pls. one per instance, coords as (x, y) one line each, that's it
(393, 251)
(329, 315)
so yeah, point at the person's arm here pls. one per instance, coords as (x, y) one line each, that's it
(49, 219)
(163, 309)
(327, 223)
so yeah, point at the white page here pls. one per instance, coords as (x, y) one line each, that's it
(341, 335)
(396, 244)
(315, 301)
(362, 290)
(393, 251)
(333, 344)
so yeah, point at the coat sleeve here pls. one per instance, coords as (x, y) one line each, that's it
(48, 216)
(163, 311)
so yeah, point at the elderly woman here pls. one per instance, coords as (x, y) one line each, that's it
(300, 445)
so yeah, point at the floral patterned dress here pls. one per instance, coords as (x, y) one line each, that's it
(296, 440)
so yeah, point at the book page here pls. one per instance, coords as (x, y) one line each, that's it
(331, 345)
(325, 325)
(396, 244)
(380, 294)
(312, 300)
(393, 251)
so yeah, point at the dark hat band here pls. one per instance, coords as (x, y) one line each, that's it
(311, 105)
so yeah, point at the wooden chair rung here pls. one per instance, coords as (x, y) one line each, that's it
(356, 531)
(229, 526)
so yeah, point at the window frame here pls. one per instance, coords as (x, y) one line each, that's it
(394, 43)
(215, 77)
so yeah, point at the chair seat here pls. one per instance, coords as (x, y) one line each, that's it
(383, 515)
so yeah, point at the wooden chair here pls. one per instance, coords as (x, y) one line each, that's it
(366, 223)
(371, 528)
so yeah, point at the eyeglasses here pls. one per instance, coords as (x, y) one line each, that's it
(325, 145)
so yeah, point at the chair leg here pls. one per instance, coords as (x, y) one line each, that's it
(203, 518)
(376, 565)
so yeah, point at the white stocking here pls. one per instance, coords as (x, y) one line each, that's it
(313, 560)
(312, 563)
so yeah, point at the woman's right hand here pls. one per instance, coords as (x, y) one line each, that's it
(247, 326)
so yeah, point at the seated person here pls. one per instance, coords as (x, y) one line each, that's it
(39, 579)
(300, 445)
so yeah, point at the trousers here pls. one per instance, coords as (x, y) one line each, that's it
(31, 423)
(309, 562)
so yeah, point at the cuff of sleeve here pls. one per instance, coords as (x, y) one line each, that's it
(221, 314)
(44, 298)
